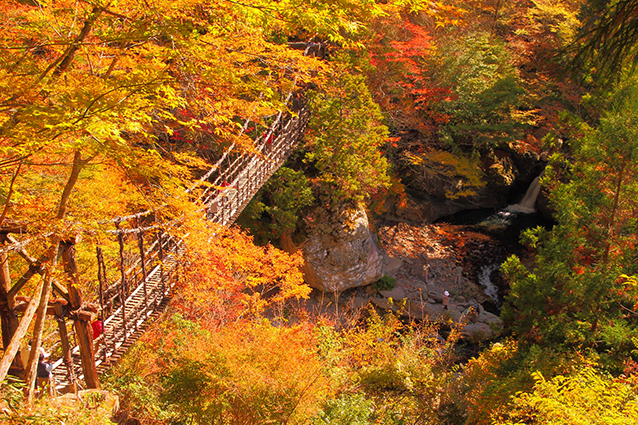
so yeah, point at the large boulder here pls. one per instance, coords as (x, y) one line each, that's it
(340, 251)
(478, 332)
(487, 327)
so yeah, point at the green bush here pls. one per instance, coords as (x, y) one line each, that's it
(385, 283)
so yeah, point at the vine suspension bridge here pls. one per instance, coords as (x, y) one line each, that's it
(147, 266)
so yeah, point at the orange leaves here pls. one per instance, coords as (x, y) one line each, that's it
(418, 45)
(229, 277)
(578, 270)
(402, 55)
(241, 373)
(109, 82)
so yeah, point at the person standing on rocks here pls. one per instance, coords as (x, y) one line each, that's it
(459, 275)
(472, 312)
(446, 300)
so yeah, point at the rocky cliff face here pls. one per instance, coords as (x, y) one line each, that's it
(430, 189)
(340, 251)
(427, 260)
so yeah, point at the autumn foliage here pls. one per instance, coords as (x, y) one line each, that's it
(226, 278)
(113, 107)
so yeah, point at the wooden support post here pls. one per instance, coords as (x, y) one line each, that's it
(23, 326)
(140, 243)
(122, 286)
(101, 277)
(66, 347)
(120, 239)
(123, 307)
(160, 243)
(7, 315)
(39, 323)
(82, 323)
(84, 337)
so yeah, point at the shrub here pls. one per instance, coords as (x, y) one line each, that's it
(385, 283)
(584, 398)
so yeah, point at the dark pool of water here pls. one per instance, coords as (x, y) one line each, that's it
(498, 223)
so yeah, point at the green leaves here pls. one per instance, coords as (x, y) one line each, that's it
(483, 109)
(346, 133)
(276, 208)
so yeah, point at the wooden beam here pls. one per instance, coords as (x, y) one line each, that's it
(84, 337)
(66, 346)
(85, 312)
(13, 229)
(22, 302)
(14, 345)
(38, 327)
(61, 290)
(35, 268)
(82, 321)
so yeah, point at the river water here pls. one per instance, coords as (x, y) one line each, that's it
(504, 225)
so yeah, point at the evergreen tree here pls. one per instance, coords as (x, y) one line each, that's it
(581, 291)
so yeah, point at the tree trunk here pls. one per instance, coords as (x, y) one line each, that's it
(39, 326)
(9, 320)
(614, 212)
(14, 345)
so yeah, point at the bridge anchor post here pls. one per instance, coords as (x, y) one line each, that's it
(81, 319)
(66, 347)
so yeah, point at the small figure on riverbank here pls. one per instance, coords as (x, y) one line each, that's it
(472, 312)
(446, 300)
(458, 275)
(426, 273)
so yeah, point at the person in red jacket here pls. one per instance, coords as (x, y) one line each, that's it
(98, 328)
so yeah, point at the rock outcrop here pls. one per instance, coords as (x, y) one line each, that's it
(340, 251)
(435, 192)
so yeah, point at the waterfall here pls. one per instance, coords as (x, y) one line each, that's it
(527, 205)
(491, 289)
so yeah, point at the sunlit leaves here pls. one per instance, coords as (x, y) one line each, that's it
(346, 132)
(586, 398)
(576, 279)
(461, 174)
(229, 277)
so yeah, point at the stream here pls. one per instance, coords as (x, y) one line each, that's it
(503, 226)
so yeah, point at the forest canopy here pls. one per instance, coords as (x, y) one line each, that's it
(112, 110)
